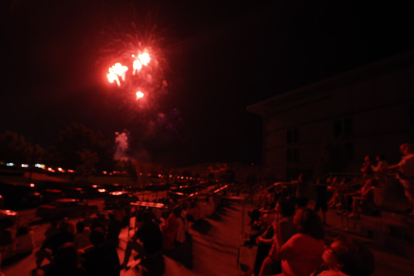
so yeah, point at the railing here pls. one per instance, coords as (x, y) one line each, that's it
(386, 178)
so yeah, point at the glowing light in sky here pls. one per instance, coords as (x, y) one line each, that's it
(137, 65)
(116, 71)
(32, 185)
(140, 95)
(144, 58)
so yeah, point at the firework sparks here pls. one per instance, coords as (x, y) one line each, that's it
(137, 65)
(144, 58)
(139, 95)
(116, 71)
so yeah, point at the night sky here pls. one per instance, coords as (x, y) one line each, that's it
(221, 56)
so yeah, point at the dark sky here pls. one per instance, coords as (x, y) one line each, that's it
(221, 56)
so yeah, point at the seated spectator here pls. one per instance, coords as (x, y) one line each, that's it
(283, 230)
(50, 246)
(302, 253)
(81, 238)
(381, 163)
(335, 186)
(6, 244)
(100, 259)
(24, 241)
(364, 199)
(169, 230)
(263, 247)
(344, 257)
(147, 240)
(302, 191)
(65, 262)
(321, 190)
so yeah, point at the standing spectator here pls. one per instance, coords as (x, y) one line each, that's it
(100, 259)
(366, 166)
(82, 235)
(381, 163)
(283, 230)
(114, 229)
(405, 172)
(52, 230)
(6, 243)
(169, 231)
(302, 191)
(302, 253)
(147, 241)
(24, 241)
(321, 190)
(65, 262)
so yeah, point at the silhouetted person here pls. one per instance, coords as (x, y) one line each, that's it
(65, 262)
(51, 245)
(100, 259)
(147, 240)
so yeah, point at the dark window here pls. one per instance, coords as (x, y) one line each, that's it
(296, 136)
(412, 115)
(337, 128)
(348, 126)
(289, 155)
(296, 155)
(289, 137)
(349, 148)
(267, 133)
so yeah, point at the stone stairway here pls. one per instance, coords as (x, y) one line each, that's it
(394, 232)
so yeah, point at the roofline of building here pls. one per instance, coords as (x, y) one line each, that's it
(383, 66)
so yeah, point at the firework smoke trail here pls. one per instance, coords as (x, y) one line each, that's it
(121, 142)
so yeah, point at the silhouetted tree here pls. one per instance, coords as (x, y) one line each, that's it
(77, 138)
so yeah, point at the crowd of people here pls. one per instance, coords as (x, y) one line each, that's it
(89, 247)
(359, 197)
(289, 235)
(290, 241)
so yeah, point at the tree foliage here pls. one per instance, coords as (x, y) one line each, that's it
(76, 139)
(15, 149)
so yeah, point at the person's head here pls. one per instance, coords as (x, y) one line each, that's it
(406, 148)
(22, 231)
(302, 178)
(308, 222)
(367, 158)
(97, 237)
(349, 257)
(177, 211)
(64, 226)
(144, 218)
(80, 226)
(380, 157)
(285, 206)
(66, 256)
